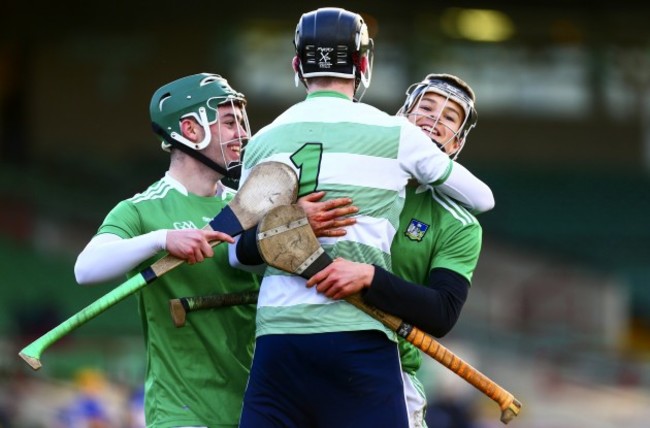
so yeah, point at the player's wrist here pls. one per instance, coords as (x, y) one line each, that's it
(159, 239)
(369, 275)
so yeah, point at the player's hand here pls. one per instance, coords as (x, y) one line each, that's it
(193, 245)
(342, 278)
(328, 218)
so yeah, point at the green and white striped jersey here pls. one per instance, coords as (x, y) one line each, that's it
(434, 232)
(195, 375)
(346, 149)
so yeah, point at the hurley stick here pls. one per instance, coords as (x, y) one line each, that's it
(179, 308)
(270, 184)
(508, 404)
(287, 242)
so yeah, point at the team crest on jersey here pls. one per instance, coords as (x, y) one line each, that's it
(416, 230)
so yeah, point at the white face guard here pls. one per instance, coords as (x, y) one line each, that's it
(440, 116)
(233, 130)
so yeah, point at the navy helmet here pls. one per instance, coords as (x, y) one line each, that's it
(333, 42)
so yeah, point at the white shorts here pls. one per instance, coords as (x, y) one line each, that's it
(416, 402)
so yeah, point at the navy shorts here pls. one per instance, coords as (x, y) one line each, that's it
(325, 380)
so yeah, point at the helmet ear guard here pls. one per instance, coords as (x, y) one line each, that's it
(232, 172)
(363, 64)
(295, 64)
(204, 123)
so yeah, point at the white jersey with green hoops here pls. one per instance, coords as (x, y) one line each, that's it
(345, 149)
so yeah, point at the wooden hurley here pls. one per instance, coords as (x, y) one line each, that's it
(287, 242)
(269, 185)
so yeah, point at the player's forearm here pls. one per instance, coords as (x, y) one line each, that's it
(245, 255)
(468, 190)
(108, 257)
(434, 308)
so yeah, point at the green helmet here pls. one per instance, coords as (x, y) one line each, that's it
(198, 96)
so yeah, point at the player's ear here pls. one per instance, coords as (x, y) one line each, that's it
(297, 77)
(189, 128)
(455, 146)
(363, 64)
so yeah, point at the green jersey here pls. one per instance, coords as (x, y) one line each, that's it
(195, 375)
(346, 149)
(434, 232)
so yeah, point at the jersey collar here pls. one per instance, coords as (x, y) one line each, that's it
(327, 93)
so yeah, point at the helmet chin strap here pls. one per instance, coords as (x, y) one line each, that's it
(233, 173)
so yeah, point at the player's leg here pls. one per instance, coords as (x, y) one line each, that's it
(342, 379)
(276, 391)
(361, 385)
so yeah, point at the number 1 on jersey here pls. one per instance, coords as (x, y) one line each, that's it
(308, 160)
